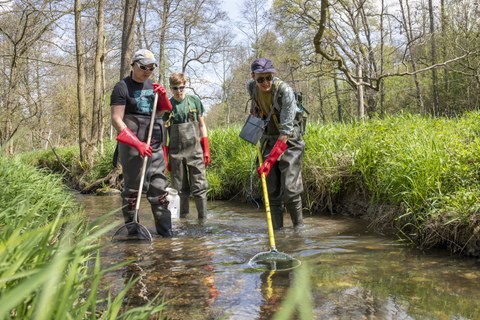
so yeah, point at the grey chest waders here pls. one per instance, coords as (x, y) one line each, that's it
(187, 166)
(134, 229)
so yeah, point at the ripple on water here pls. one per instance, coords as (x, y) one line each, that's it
(353, 273)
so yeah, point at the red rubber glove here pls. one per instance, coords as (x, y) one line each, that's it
(166, 150)
(206, 150)
(276, 152)
(127, 137)
(163, 101)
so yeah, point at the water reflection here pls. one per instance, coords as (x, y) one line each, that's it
(204, 273)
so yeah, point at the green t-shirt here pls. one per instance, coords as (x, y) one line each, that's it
(184, 111)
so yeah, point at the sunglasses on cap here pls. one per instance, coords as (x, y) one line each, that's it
(145, 68)
(263, 79)
(176, 88)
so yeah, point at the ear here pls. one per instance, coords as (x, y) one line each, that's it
(253, 75)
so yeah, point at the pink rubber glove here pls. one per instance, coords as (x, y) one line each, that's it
(206, 150)
(127, 137)
(163, 101)
(276, 152)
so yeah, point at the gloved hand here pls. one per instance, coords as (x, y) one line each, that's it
(127, 137)
(163, 101)
(276, 152)
(206, 150)
(166, 150)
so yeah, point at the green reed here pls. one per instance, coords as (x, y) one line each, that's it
(49, 253)
(428, 168)
(229, 174)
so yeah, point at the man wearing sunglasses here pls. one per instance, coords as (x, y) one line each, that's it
(189, 149)
(282, 142)
(131, 108)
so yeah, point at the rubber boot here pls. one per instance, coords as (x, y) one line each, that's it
(277, 216)
(184, 204)
(128, 212)
(201, 204)
(163, 219)
(296, 212)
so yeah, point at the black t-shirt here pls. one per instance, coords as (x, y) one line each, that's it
(135, 96)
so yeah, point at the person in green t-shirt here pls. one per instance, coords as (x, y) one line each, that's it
(187, 146)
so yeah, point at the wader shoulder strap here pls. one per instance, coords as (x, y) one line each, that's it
(277, 85)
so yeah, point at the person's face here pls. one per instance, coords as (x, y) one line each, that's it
(142, 72)
(178, 91)
(263, 80)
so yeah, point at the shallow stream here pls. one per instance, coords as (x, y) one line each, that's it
(352, 273)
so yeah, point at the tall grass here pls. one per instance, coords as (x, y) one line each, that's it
(428, 168)
(66, 161)
(230, 174)
(50, 265)
(424, 169)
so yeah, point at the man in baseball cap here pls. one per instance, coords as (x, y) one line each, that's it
(132, 103)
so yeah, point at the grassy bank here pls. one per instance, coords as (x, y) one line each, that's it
(49, 252)
(413, 176)
(417, 177)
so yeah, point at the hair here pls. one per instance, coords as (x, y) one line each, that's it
(177, 78)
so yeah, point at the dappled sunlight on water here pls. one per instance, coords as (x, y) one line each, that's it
(204, 269)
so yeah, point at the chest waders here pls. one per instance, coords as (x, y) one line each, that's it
(187, 166)
(154, 180)
(284, 181)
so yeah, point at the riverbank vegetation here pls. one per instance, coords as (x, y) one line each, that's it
(414, 176)
(409, 175)
(50, 253)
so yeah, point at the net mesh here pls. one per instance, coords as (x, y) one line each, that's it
(273, 260)
(132, 231)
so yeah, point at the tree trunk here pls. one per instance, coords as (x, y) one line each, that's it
(361, 103)
(444, 55)
(407, 22)
(10, 107)
(163, 35)
(320, 99)
(98, 123)
(381, 85)
(337, 96)
(433, 60)
(81, 100)
(127, 37)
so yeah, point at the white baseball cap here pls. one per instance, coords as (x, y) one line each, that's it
(144, 57)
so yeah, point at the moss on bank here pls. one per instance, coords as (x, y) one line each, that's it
(415, 176)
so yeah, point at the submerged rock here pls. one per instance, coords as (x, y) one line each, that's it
(106, 191)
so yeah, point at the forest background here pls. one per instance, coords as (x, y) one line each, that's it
(351, 59)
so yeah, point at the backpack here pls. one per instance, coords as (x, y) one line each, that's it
(302, 113)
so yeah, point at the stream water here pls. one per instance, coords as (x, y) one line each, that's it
(352, 273)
